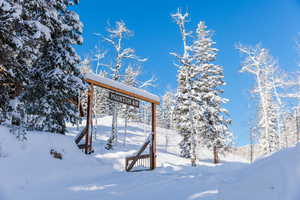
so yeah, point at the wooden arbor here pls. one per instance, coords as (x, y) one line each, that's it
(123, 94)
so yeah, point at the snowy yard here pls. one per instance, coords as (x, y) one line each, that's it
(28, 171)
(31, 173)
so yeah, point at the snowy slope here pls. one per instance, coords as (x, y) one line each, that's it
(28, 172)
(28, 166)
(276, 177)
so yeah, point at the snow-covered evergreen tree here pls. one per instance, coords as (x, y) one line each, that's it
(55, 79)
(37, 57)
(292, 88)
(270, 143)
(212, 123)
(167, 110)
(199, 115)
(85, 66)
(22, 35)
(183, 115)
(129, 112)
(289, 136)
(101, 101)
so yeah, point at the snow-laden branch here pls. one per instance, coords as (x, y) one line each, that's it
(149, 83)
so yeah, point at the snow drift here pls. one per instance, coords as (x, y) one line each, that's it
(25, 166)
(276, 178)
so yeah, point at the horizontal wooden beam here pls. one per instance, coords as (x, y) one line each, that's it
(143, 156)
(103, 85)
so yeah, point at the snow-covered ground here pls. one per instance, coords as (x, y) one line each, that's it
(276, 177)
(28, 172)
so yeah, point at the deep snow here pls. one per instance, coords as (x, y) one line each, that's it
(28, 172)
(276, 177)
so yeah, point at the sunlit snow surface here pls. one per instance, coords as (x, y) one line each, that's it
(28, 172)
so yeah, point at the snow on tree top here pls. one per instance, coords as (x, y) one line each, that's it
(122, 86)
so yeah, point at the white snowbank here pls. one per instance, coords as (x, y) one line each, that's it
(25, 166)
(273, 178)
(122, 86)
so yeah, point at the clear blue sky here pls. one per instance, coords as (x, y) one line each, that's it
(273, 23)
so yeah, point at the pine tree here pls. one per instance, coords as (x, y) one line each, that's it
(55, 78)
(183, 114)
(129, 112)
(85, 67)
(22, 35)
(167, 110)
(212, 125)
(199, 115)
(101, 101)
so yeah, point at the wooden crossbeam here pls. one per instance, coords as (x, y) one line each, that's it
(143, 156)
(103, 85)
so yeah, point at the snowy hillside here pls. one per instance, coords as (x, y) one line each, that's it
(276, 177)
(28, 171)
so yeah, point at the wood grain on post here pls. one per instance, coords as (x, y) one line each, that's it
(153, 138)
(89, 118)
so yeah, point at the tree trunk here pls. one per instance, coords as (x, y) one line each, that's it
(116, 126)
(216, 156)
(125, 134)
(193, 155)
(167, 143)
(113, 138)
(114, 123)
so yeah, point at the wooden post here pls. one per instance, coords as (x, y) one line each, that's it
(91, 138)
(89, 118)
(153, 139)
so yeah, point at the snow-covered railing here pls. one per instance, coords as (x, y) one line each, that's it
(121, 88)
(139, 159)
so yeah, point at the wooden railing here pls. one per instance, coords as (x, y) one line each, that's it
(138, 159)
(79, 137)
(85, 145)
(141, 163)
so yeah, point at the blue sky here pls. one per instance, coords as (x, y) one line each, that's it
(273, 23)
